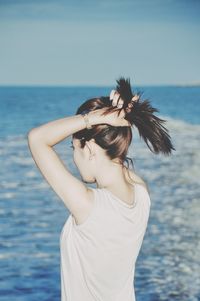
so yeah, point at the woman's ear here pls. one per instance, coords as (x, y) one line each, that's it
(90, 147)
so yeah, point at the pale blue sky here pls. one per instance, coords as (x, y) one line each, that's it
(89, 42)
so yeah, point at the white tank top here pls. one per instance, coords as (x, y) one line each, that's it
(98, 256)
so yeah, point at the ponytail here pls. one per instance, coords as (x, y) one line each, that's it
(149, 126)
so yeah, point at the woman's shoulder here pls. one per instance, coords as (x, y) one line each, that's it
(137, 179)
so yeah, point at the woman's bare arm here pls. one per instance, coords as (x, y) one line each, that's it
(73, 192)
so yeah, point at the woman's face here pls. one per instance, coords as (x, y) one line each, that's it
(81, 159)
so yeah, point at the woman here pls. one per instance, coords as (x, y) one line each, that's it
(102, 237)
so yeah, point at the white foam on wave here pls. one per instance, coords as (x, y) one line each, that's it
(182, 165)
(31, 174)
(21, 160)
(41, 255)
(7, 195)
(5, 255)
(178, 122)
(42, 234)
(5, 184)
(36, 185)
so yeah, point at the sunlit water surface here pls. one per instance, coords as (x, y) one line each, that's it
(32, 216)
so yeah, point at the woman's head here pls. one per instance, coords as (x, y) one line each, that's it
(104, 143)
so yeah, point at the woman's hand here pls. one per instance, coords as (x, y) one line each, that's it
(114, 118)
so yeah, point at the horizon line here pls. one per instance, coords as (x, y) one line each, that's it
(96, 85)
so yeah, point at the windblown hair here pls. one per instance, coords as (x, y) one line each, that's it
(116, 140)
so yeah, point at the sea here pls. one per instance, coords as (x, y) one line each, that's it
(32, 215)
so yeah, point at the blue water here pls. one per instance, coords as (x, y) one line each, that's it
(32, 216)
(25, 107)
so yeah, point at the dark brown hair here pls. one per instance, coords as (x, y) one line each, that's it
(116, 140)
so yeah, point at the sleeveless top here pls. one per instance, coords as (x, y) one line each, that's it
(98, 256)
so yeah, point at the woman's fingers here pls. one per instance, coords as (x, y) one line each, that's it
(120, 103)
(115, 99)
(112, 94)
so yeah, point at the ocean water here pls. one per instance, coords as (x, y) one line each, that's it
(32, 215)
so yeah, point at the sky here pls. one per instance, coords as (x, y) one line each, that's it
(93, 42)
